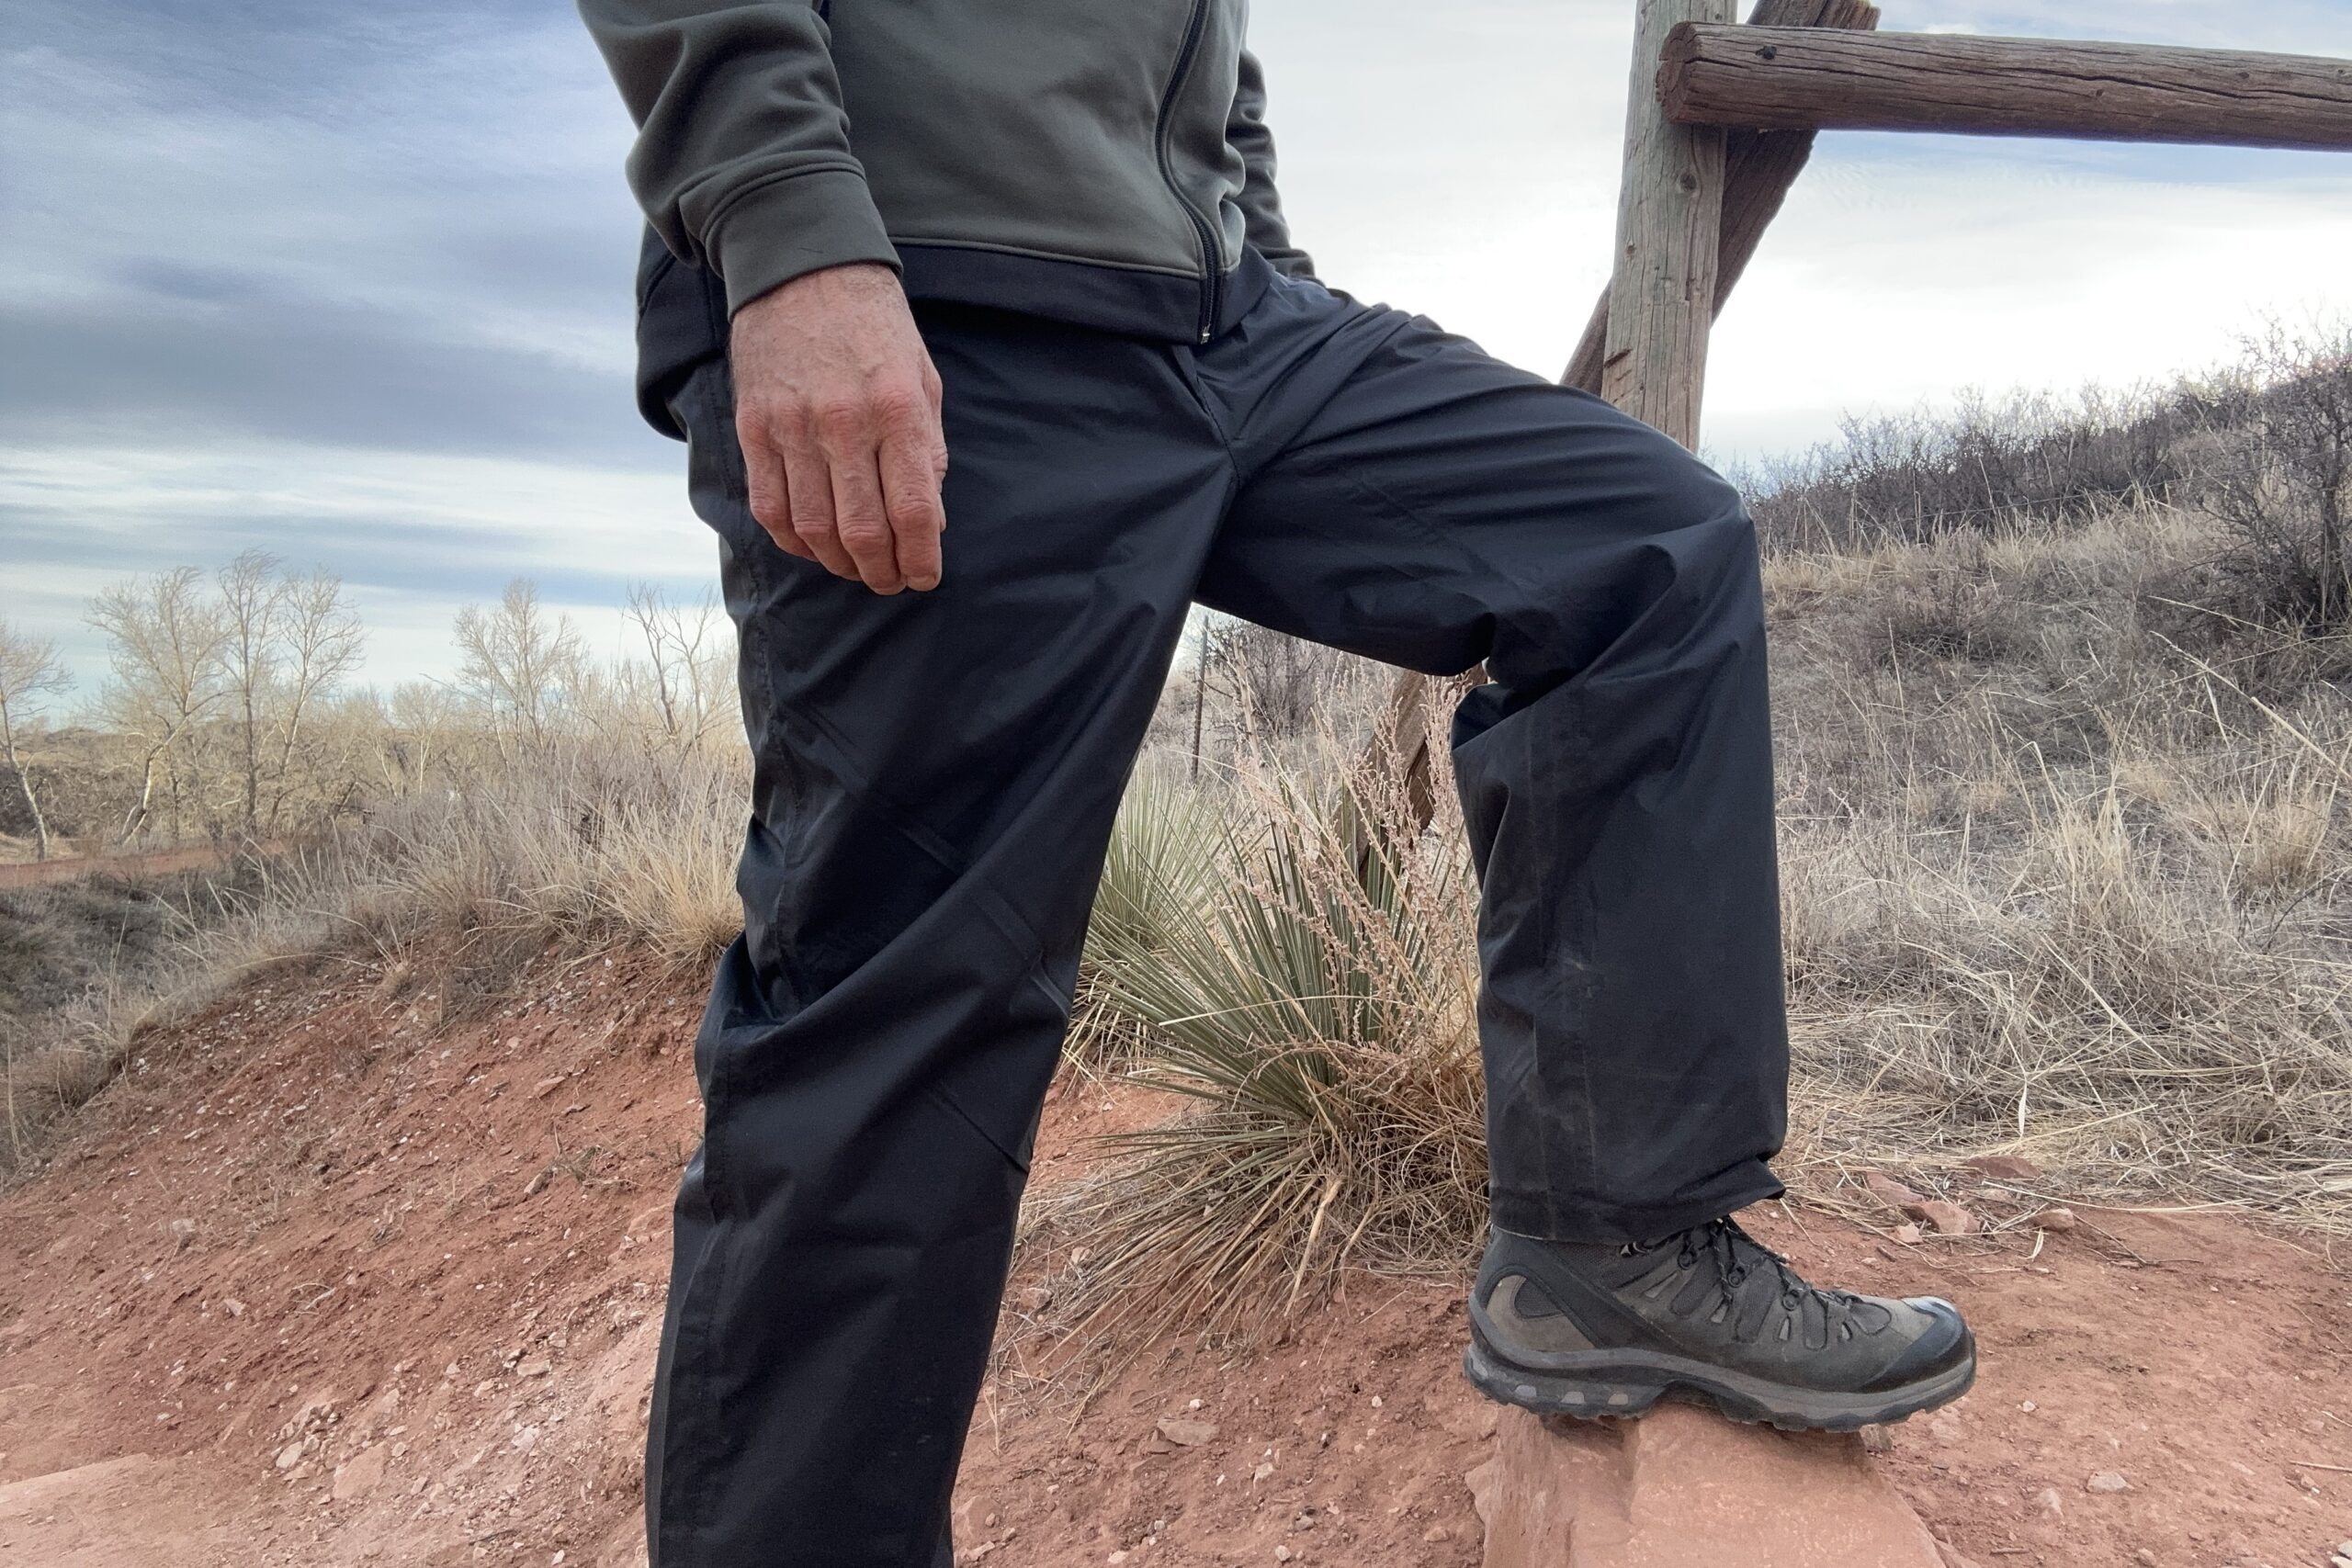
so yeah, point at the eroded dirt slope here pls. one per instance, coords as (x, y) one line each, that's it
(326, 1281)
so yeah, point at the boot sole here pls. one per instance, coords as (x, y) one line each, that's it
(1598, 1384)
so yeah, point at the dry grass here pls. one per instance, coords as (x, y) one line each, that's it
(2064, 840)
(574, 846)
(2084, 902)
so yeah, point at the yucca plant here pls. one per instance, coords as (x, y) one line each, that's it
(1156, 876)
(1318, 1005)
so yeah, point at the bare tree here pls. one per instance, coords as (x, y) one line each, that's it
(169, 642)
(517, 660)
(1276, 683)
(686, 654)
(320, 641)
(423, 721)
(29, 673)
(252, 601)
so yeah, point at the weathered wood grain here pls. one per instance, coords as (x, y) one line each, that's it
(1758, 168)
(1669, 213)
(1803, 78)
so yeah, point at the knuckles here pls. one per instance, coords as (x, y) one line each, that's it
(794, 416)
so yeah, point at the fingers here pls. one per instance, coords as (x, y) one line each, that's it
(809, 484)
(853, 486)
(911, 466)
(861, 522)
(764, 480)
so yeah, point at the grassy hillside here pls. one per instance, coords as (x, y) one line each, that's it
(2062, 747)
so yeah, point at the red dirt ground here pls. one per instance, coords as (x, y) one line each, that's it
(322, 1280)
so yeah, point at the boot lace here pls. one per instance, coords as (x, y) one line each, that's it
(1735, 1256)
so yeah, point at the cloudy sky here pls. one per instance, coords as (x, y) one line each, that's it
(351, 282)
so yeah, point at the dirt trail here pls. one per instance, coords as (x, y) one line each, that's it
(160, 863)
(324, 1281)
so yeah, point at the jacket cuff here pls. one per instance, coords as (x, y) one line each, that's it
(794, 224)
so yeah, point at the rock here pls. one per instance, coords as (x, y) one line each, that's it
(1889, 1191)
(1483, 1481)
(1909, 1234)
(1675, 1486)
(2057, 1219)
(1944, 1426)
(290, 1456)
(1470, 1418)
(1186, 1433)
(533, 1367)
(2003, 1168)
(1437, 1533)
(1953, 1558)
(2145, 1557)
(2047, 1501)
(358, 1476)
(2107, 1481)
(1947, 1219)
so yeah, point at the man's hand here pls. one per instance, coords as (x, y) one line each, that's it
(837, 409)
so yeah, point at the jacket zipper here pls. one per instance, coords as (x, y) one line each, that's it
(1211, 276)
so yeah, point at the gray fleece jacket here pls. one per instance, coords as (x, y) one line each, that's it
(1104, 162)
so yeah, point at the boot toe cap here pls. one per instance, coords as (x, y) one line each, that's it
(1941, 1344)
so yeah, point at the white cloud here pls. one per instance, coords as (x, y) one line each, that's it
(458, 171)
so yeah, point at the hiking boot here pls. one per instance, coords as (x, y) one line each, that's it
(1565, 1328)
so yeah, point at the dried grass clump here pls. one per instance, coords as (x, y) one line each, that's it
(572, 848)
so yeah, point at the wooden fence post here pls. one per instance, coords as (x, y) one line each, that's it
(1759, 167)
(1669, 215)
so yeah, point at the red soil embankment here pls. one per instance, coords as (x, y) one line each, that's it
(324, 1280)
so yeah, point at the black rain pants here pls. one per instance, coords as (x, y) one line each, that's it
(936, 776)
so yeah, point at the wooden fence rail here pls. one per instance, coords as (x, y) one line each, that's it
(1817, 79)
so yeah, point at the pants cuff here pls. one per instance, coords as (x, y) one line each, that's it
(1549, 1217)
